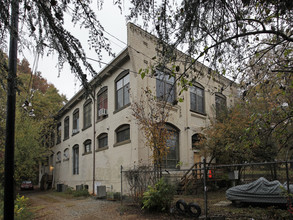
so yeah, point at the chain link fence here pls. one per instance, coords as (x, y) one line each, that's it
(203, 179)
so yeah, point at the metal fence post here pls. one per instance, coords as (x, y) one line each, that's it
(288, 187)
(121, 194)
(205, 188)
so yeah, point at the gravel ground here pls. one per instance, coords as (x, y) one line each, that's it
(50, 206)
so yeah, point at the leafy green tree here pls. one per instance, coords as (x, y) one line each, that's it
(37, 102)
(28, 147)
(260, 126)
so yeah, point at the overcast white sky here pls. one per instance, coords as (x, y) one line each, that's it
(114, 23)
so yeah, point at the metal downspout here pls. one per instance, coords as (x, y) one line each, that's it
(94, 142)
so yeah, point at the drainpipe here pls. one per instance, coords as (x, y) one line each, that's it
(94, 141)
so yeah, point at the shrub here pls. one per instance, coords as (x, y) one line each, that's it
(20, 208)
(69, 190)
(21, 211)
(82, 192)
(159, 197)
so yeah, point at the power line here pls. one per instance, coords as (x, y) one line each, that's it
(108, 64)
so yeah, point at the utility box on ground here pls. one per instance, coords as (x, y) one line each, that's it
(101, 192)
(59, 187)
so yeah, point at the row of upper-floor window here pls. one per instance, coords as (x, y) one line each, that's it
(165, 90)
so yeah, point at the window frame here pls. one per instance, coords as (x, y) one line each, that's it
(166, 161)
(118, 132)
(52, 138)
(85, 144)
(195, 139)
(103, 93)
(59, 133)
(58, 157)
(66, 128)
(220, 107)
(125, 90)
(101, 137)
(195, 98)
(75, 130)
(163, 81)
(51, 159)
(66, 157)
(75, 159)
(87, 114)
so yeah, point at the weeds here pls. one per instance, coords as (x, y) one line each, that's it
(79, 193)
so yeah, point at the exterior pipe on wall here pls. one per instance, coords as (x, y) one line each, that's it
(94, 141)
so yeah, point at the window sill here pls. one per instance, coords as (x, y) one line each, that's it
(120, 109)
(75, 133)
(86, 153)
(58, 161)
(168, 105)
(67, 159)
(101, 118)
(198, 114)
(87, 127)
(102, 148)
(65, 138)
(122, 143)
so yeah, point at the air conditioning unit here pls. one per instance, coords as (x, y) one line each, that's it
(103, 112)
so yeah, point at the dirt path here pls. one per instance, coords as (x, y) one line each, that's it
(49, 206)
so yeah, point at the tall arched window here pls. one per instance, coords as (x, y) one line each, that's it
(172, 158)
(165, 86)
(102, 102)
(58, 133)
(122, 89)
(87, 114)
(75, 122)
(197, 100)
(66, 128)
(221, 104)
(75, 151)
